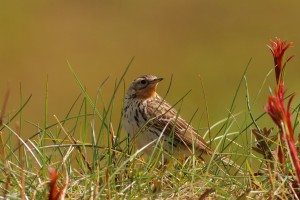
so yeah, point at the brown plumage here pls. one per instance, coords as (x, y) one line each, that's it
(147, 115)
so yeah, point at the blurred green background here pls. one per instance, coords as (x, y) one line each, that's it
(213, 40)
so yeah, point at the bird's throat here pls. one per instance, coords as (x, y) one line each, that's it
(147, 93)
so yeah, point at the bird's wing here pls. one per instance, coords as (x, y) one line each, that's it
(167, 119)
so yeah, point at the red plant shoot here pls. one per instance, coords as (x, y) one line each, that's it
(54, 192)
(276, 108)
(278, 49)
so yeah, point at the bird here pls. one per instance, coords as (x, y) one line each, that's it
(148, 117)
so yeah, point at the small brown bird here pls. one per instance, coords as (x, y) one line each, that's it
(147, 117)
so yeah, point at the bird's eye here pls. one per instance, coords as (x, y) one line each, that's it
(143, 82)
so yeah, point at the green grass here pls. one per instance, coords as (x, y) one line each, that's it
(95, 160)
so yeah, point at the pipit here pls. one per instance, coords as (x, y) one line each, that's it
(147, 117)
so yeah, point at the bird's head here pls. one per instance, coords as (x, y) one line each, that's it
(144, 87)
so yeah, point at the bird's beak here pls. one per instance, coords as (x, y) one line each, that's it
(156, 80)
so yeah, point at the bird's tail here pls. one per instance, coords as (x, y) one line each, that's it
(228, 164)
